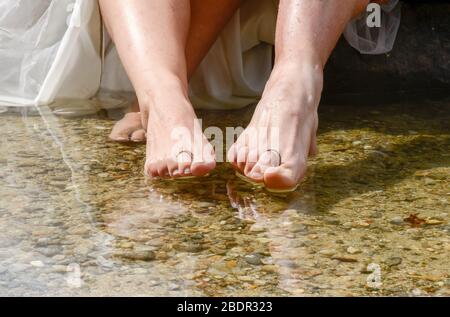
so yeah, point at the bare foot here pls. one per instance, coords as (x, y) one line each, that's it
(129, 128)
(176, 146)
(285, 121)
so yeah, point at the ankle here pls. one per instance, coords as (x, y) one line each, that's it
(301, 77)
(304, 57)
(295, 86)
(162, 89)
(298, 68)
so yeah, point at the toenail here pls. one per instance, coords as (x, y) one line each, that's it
(175, 173)
(187, 171)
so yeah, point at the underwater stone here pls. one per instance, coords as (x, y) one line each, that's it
(253, 259)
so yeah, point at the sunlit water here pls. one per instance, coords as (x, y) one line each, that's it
(77, 216)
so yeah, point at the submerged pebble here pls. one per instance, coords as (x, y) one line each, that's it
(393, 261)
(137, 255)
(352, 250)
(397, 221)
(37, 263)
(253, 259)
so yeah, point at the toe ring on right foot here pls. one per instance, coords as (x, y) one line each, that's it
(278, 155)
(186, 152)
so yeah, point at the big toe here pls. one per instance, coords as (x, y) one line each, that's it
(151, 169)
(205, 164)
(282, 178)
(202, 168)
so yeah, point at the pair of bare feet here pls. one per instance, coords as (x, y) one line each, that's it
(288, 107)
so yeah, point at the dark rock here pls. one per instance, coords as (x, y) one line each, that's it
(418, 64)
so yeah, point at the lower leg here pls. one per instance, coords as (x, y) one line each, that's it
(306, 34)
(312, 28)
(208, 18)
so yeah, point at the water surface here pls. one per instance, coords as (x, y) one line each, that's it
(78, 218)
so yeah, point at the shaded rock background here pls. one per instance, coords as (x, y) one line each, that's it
(419, 64)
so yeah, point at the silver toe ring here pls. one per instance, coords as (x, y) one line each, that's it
(278, 155)
(186, 152)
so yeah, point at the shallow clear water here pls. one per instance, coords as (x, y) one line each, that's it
(78, 218)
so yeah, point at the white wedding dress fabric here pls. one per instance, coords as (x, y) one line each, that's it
(58, 49)
(375, 40)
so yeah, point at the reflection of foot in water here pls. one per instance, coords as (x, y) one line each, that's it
(244, 205)
(286, 235)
